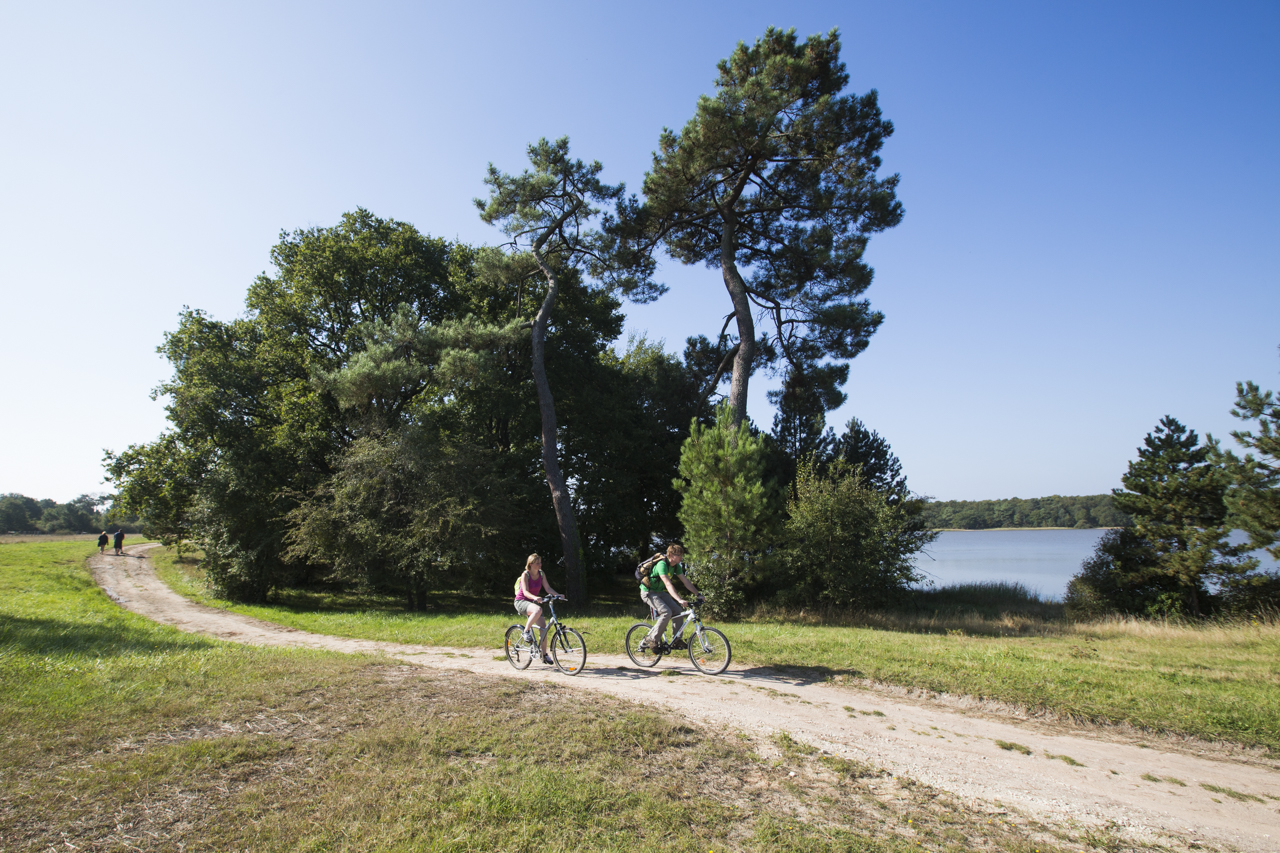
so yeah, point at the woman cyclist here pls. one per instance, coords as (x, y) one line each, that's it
(531, 590)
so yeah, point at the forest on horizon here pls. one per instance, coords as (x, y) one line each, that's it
(1080, 511)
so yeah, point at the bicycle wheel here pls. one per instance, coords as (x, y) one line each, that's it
(569, 651)
(709, 650)
(519, 654)
(639, 656)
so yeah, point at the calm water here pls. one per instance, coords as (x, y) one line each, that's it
(1041, 560)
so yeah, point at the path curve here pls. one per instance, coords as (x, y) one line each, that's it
(937, 743)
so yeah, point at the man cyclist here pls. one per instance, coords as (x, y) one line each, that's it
(664, 601)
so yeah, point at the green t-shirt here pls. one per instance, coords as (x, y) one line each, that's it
(662, 568)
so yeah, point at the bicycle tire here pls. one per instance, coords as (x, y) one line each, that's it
(519, 654)
(569, 651)
(709, 651)
(641, 657)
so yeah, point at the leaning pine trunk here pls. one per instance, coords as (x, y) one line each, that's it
(746, 324)
(575, 585)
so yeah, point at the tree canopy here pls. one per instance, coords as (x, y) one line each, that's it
(776, 174)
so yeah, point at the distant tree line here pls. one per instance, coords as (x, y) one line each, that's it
(1184, 499)
(1080, 512)
(85, 514)
(393, 410)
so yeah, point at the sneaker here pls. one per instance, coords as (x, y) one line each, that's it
(547, 660)
(678, 645)
(528, 636)
(646, 644)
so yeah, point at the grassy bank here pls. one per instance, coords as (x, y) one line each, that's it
(120, 733)
(1218, 681)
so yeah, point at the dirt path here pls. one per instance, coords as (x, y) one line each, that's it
(945, 744)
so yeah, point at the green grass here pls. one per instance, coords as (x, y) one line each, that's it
(1232, 793)
(1170, 779)
(1218, 681)
(1013, 747)
(120, 733)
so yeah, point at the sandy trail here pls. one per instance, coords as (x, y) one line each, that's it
(948, 744)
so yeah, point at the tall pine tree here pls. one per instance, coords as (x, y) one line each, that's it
(776, 175)
(1174, 492)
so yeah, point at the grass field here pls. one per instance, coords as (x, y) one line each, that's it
(1217, 681)
(123, 734)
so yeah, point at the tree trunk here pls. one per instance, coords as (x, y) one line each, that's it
(575, 581)
(746, 324)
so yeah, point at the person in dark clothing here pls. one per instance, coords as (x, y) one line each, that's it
(119, 543)
(102, 542)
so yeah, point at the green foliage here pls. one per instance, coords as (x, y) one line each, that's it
(84, 514)
(1254, 497)
(402, 358)
(250, 430)
(858, 446)
(847, 542)
(730, 512)
(158, 482)
(19, 513)
(1083, 512)
(371, 330)
(549, 212)
(404, 512)
(800, 426)
(1122, 576)
(777, 172)
(1175, 494)
(629, 420)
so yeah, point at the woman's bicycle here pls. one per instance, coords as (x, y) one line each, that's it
(709, 648)
(567, 648)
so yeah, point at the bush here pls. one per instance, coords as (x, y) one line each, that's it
(1122, 577)
(1254, 594)
(404, 513)
(848, 543)
(730, 510)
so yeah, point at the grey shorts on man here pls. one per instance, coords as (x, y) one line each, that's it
(666, 608)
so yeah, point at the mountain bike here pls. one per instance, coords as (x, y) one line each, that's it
(709, 648)
(567, 648)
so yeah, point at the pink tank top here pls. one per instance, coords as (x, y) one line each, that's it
(535, 587)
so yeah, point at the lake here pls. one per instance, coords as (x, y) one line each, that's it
(1041, 560)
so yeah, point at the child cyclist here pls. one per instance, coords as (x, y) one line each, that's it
(531, 590)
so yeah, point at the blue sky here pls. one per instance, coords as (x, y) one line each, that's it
(1091, 238)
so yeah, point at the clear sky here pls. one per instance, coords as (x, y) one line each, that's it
(1091, 240)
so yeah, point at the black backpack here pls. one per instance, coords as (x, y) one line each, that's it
(644, 569)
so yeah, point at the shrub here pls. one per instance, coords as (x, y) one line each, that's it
(848, 543)
(1123, 576)
(730, 510)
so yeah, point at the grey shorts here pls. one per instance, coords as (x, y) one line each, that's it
(524, 605)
